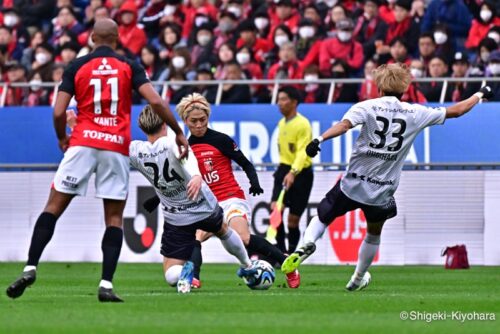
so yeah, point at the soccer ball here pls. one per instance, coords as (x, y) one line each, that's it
(264, 278)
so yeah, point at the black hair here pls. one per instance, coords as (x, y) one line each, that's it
(488, 43)
(427, 34)
(287, 31)
(400, 40)
(292, 92)
(177, 30)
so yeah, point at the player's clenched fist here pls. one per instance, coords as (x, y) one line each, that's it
(312, 148)
(255, 190)
(487, 92)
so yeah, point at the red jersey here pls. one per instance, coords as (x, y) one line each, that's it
(214, 152)
(102, 83)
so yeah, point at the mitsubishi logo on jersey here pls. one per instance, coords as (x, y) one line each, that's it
(104, 68)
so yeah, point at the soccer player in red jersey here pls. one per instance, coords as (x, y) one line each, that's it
(215, 151)
(102, 84)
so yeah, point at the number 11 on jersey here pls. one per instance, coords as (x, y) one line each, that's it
(113, 83)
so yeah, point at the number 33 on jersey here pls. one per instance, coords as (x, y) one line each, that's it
(102, 83)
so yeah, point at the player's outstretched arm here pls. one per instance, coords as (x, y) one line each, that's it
(62, 103)
(465, 106)
(237, 156)
(161, 108)
(336, 130)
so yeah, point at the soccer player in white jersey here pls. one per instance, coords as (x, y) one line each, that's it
(187, 202)
(388, 129)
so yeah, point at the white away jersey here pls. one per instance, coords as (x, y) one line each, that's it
(388, 130)
(159, 164)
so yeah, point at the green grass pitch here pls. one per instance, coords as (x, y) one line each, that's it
(63, 300)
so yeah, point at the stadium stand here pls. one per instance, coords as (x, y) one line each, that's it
(308, 40)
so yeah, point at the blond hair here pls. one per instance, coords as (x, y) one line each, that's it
(149, 121)
(392, 78)
(191, 102)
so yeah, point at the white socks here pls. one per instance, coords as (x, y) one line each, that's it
(28, 268)
(314, 231)
(105, 284)
(366, 254)
(233, 244)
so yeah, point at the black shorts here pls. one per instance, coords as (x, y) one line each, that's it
(297, 197)
(336, 204)
(177, 242)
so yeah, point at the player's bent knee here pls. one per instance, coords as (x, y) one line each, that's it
(375, 228)
(325, 211)
(172, 274)
(245, 237)
(223, 231)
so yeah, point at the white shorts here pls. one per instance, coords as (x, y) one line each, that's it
(236, 207)
(111, 172)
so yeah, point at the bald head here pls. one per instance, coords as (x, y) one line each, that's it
(105, 32)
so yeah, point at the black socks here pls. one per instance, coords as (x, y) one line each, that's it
(111, 247)
(260, 245)
(197, 259)
(293, 239)
(44, 229)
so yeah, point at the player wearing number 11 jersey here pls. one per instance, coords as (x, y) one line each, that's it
(102, 83)
(388, 129)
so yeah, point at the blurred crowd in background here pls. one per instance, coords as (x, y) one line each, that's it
(190, 40)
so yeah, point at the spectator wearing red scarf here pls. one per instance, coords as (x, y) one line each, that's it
(399, 52)
(288, 66)
(370, 28)
(404, 26)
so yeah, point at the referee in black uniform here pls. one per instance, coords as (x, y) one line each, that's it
(294, 171)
